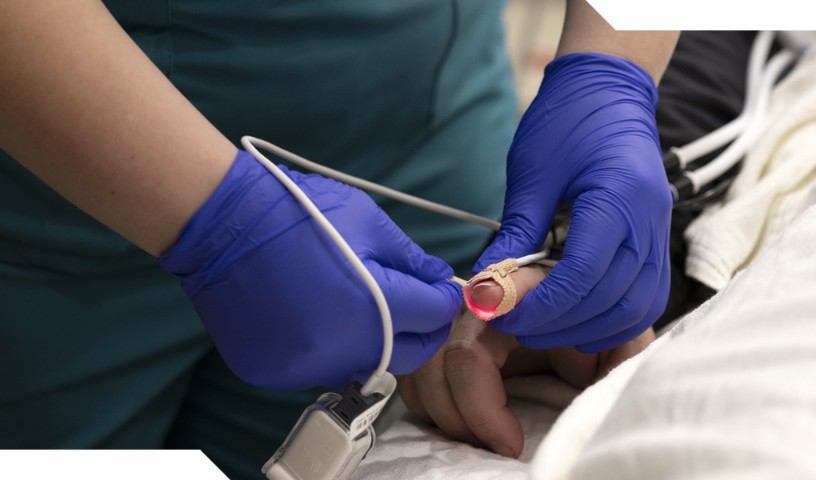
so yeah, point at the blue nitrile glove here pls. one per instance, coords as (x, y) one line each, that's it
(590, 137)
(283, 305)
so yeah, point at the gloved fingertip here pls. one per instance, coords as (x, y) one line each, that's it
(540, 342)
(617, 339)
(439, 268)
(595, 347)
(412, 350)
(483, 262)
(493, 254)
(454, 292)
(489, 255)
(423, 266)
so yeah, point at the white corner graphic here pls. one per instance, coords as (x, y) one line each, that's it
(707, 14)
(107, 464)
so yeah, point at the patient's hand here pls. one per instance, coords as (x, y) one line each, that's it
(461, 391)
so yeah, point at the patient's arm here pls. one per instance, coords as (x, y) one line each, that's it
(461, 391)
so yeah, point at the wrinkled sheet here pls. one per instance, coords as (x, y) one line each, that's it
(409, 449)
(729, 393)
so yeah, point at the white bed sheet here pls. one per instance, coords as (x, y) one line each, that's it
(412, 450)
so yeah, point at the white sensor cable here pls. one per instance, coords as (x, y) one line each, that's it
(385, 314)
(251, 145)
(717, 167)
(376, 188)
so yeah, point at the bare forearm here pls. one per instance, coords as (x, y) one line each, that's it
(586, 31)
(86, 111)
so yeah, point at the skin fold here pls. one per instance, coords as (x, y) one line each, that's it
(460, 389)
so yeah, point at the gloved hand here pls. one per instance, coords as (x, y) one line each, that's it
(589, 137)
(282, 304)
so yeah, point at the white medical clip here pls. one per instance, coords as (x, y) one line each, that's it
(330, 439)
(335, 433)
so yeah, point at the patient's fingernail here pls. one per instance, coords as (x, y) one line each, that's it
(486, 295)
(483, 298)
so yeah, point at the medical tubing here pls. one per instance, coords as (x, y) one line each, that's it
(538, 257)
(707, 143)
(379, 189)
(681, 188)
(679, 157)
(758, 56)
(379, 298)
(714, 169)
(706, 197)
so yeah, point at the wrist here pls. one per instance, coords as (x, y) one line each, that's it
(599, 68)
(587, 31)
(217, 231)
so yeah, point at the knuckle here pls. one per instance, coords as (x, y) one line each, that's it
(461, 352)
(425, 374)
(463, 362)
(478, 420)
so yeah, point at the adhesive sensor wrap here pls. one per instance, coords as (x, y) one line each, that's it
(499, 273)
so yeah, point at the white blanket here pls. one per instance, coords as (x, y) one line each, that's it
(777, 182)
(730, 394)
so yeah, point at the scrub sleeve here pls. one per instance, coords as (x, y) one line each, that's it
(99, 348)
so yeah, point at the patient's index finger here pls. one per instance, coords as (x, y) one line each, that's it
(476, 385)
(473, 372)
(431, 390)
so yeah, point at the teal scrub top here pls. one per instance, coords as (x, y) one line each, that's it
(414, 94)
